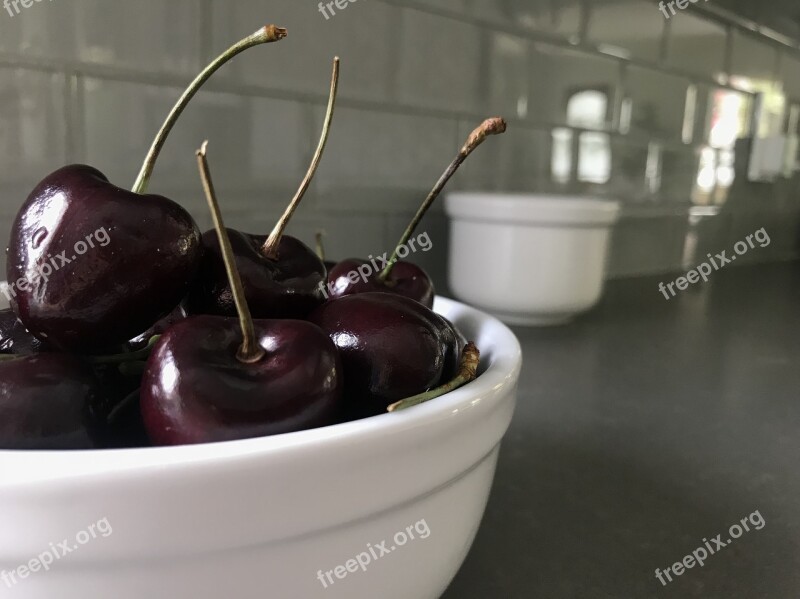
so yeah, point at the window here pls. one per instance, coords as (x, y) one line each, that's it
(586, 109)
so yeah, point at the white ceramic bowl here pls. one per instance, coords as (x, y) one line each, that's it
(261, 518)
(529, 259)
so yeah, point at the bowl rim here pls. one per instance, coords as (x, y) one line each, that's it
(537, 209)
(501, 360)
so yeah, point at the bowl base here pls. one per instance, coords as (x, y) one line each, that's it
(533, 320)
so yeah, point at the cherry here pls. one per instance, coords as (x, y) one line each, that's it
(48, 401)
(114, 291)
(281, 276)
(195, 389)
(210, 378)
(15, 338)
(392, 347)
(82, 293)
(288, 287)
(404, 278)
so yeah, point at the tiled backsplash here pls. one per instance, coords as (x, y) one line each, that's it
(606, 98)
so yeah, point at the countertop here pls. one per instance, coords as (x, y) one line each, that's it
(642, 429)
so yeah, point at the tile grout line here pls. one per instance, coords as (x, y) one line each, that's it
(230, 86)
(584, 47)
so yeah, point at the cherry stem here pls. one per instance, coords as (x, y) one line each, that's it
(250, 351)
(265, 35)
(320, 237)
(467, 372)
(270, 248)
(493, 126)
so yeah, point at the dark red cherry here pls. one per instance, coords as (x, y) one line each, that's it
(196, 390)
(212, 378)
(353, 276)
(392, 347)
(90, 265)
(15, 338)
(47, 401)
(289, 286)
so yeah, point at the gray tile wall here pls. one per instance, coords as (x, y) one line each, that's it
(91, 80)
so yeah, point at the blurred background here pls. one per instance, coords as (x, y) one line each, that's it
(607, 98)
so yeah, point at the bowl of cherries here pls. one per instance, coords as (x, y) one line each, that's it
(223, 414)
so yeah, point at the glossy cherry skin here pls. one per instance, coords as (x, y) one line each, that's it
(392, 347)
(15, 338)
(47, 401)
(195, 389)
(406, 279)
(289, 287)
(136, 272)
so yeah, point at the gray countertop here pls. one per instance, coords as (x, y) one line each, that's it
(642, 429)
